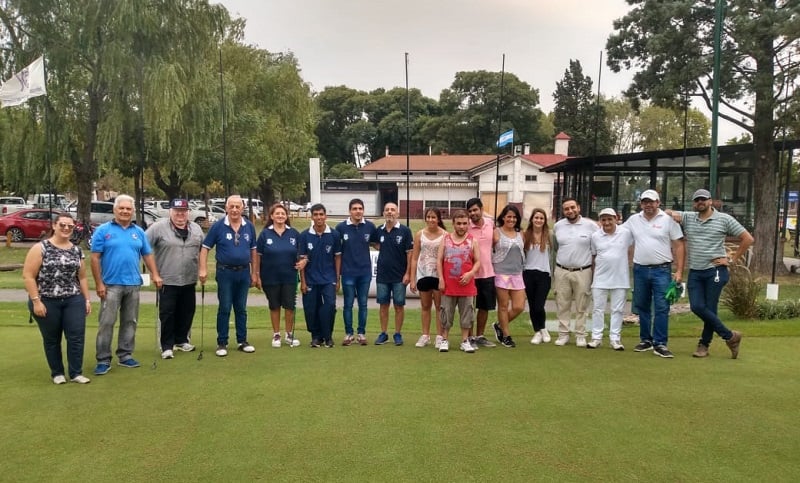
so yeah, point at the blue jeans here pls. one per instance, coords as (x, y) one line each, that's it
(125, 300)
(705, 289)
(353, 287)
(319, 307)
(232, 288)
(396, 292)
(649, 287)
(68, 317)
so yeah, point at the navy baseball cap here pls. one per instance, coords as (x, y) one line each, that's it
(179, 203)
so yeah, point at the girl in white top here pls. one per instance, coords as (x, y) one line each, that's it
(536, 274)
(508, 261)
(424, 275)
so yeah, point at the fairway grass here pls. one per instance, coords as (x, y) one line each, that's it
(379, 413)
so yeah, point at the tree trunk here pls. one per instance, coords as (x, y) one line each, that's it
(766, 164)
(84, 164)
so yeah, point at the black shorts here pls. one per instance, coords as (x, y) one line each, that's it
(427, 284)
(282, 295)
(487, 296)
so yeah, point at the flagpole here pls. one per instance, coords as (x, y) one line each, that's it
(499, 131)
(224, 141)
(47, 155)
(408, 149)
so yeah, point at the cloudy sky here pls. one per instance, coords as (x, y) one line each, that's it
(361, 43)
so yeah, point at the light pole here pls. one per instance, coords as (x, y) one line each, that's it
(719, 14)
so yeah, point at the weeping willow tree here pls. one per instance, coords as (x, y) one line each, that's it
(121, 75)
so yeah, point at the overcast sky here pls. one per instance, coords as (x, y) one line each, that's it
(361, 43)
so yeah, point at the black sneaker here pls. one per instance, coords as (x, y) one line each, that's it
(643, 346)
(508, 342)
(328, 343)
(661, 350)
(315, 343)
(498, 332)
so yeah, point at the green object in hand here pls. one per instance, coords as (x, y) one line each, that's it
(674, 292)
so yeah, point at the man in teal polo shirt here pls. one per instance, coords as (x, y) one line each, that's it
(117, 247)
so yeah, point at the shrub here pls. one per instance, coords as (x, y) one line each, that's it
(771, 309)
(741, 292)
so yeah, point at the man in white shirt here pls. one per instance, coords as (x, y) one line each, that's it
(658, 241)
(610, 260)
(573, 273)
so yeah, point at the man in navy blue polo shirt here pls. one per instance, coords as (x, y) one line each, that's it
(356, 269)
(235, 239)
(395, 243)
(319, 278)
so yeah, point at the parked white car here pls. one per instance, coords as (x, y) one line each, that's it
(10, 204)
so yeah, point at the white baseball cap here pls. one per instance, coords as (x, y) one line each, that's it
(608, 212)
(649, 195)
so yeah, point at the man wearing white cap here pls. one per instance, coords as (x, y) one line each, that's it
(658, 241)
(610, 265)
(706, 229)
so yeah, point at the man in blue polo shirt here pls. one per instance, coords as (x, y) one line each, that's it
(395, 243)
(319, 278)
(356, 269)
(235, 239)
(117, 246)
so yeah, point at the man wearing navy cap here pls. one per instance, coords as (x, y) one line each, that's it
(706, 229)
(176, 244)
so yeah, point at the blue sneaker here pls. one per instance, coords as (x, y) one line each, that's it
(102, 368)
(398, 339)
(382, 339)
(129, 363)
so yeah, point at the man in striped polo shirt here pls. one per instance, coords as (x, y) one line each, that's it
(706, 230)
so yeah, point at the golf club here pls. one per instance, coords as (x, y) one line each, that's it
(202, 318)
(157, 331)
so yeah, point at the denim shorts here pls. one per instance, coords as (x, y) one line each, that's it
(396, 290)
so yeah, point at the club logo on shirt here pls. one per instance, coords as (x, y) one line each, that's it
(366, 237)
(398, 239)
(228, 236)
(381, 238)
(292, 241)
(134, 236)
(269, 241)
(310, 246)
(328, 248)
(346, 237)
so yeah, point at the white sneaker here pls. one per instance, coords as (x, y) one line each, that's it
(60, 379)
(444, 346)
(474, 343)
(185, 347)
(221, 351)
(545, 336)
(423, 340)
(81, 379)
(537, 338)
(562, 339)
(276, 340)
(245, 347)
(580, 341)
(167, 354)
(291, 341)
(617, 345)
(439, 340)
(466, 346)
(594, 344)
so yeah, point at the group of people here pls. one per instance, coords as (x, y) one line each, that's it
(483, 264)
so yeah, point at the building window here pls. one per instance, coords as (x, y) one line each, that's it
(530, 177)
(436, 204)
(428, 173)
(502, 177)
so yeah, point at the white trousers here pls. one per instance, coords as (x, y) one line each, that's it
(600, 295)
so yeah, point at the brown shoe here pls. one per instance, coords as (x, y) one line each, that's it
(733, 344)
(702, 351)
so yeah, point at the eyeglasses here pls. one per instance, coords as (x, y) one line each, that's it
(66, 225)
(236, 239)
(697, 200)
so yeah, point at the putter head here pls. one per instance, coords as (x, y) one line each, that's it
(200, 356)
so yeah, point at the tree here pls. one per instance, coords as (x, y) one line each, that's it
(670, 43)
(343, 171)
(654, 128)
(470, 110)
(578, 113)
(338, 108)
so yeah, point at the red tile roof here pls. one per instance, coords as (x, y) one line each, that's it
(544, 160)
(423, 162)
(563, 135)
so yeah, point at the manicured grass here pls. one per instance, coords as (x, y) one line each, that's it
(375, 413)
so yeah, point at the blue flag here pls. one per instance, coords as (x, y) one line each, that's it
(506, 138)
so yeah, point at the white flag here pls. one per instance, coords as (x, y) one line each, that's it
(27, 83)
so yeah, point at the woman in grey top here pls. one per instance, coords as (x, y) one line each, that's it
(55, 279)
(508, 261)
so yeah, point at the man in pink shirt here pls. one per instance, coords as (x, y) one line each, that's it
(481, 227)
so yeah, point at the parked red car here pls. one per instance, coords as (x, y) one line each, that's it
(27, 224)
